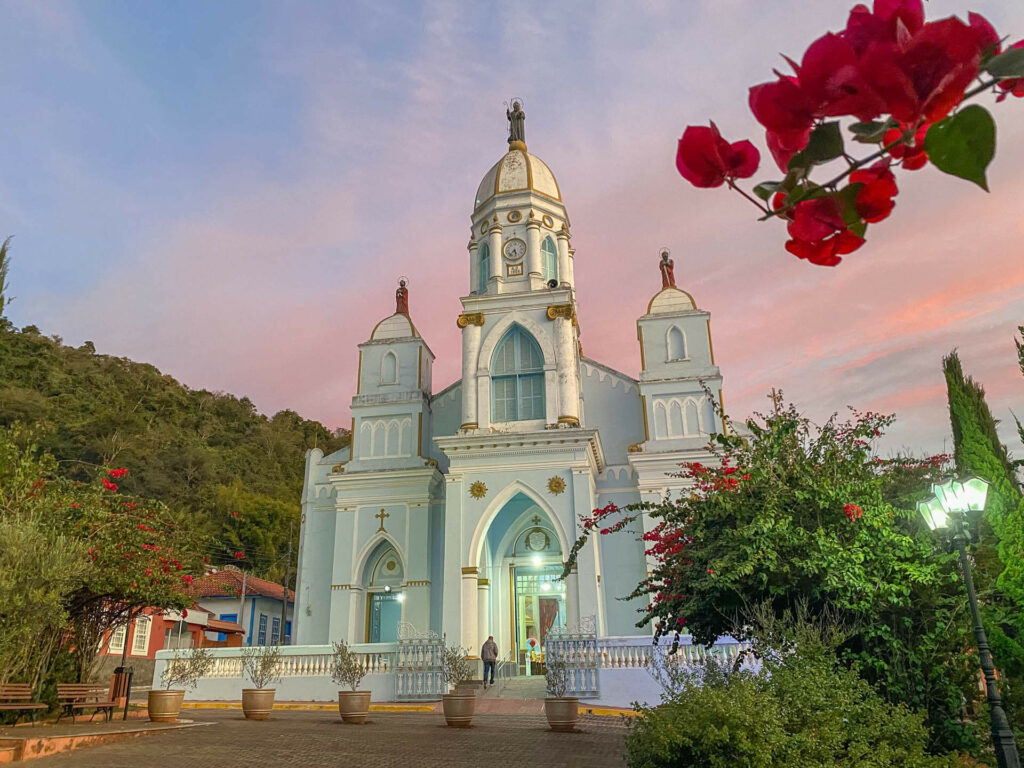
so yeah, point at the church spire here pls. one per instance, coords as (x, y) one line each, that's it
(516, 133)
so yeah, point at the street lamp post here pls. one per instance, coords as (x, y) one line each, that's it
(948, 508)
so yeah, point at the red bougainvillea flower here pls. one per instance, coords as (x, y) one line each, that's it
(888, 20)
(874, 200)
(239, 556)
(913, 155)
(987, 37)
(118, 473)
(819, 234)
(852, 512)
(784, 145)
(187, 579)
(782, 106)
(109, 485)
(184, 613)
(924, 74)
(710, 571)
(831, 78)
(705, 159)
(1014, 86)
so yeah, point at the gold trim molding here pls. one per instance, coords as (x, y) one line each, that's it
(562, 310)
(418, 583)
(341, 586)
(569, 420)
(478, 490)
(469, 569)
(484, 582)
(556, 485)
(470, 318)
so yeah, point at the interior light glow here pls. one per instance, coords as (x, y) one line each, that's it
(537, 560)
(400, 597)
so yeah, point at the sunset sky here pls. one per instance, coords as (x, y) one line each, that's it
(229, 191)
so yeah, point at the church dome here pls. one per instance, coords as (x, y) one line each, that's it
(398, 326)
(518, 171)
(670, 300)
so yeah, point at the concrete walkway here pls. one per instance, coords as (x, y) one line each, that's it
(318, 739)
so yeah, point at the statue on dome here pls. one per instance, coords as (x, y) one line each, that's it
(516, 118)
(668, 275)
(402, 299)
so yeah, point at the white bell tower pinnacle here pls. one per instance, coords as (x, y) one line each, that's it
(520, 335)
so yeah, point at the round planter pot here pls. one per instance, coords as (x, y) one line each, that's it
(562, 713)
(354, 706)
(257, 702)
(164, 706)
(458, 709)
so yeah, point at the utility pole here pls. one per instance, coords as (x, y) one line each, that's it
(241, 607)
(284, 591)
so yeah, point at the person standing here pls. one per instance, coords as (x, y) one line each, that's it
(489, 653)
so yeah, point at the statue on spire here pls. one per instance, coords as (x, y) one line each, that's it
(516, 118)
(402, 299)
(668, 275)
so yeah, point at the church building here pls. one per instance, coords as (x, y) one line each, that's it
(453, 509)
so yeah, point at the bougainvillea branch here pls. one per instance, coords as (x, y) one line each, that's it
(902, 83)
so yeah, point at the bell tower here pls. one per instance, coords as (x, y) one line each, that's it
(520, 335)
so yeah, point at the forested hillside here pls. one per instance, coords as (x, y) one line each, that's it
(237, 472)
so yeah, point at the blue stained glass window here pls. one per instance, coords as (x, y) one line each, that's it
(517, 378)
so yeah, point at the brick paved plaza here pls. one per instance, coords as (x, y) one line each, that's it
(314, 739)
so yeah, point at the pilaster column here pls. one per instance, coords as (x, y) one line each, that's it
(474, 266)
(533, 259)
(451, 604)
(567, 364)
(572, 597)
(483, 610)
(572, 259)
(471, 325)
(564, 275)
(497, 259)
(416, 607)
(469, 610)
(589, 590)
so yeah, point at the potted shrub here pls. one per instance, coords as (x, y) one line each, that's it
(183, 670)
(457, 671)
(260, 664)
(562, 711)
(347, 669)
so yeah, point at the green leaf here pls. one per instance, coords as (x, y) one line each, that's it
(871, 132)
(766, 189)
(1007, 64)
(963, 144)
(825, 143)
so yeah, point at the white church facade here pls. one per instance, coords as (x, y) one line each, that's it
(453, 510)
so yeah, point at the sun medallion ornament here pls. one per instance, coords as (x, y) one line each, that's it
(478, 490)
(556, 485)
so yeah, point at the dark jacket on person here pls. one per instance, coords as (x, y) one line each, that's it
(490, 651)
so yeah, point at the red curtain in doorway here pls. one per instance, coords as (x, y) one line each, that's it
(548, 614)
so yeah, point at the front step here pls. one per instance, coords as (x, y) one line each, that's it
(533, 687)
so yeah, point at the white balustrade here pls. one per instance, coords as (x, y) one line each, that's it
(300, 660)
(637, 652)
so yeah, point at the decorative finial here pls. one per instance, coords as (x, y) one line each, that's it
(668, 276)
(516, 118)
(402, 298)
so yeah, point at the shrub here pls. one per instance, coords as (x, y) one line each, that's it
(186, 668)
(456, 668)
(346, 668)
(802, 709)
(261, 664)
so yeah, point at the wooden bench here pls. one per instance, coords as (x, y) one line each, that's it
(18, 696)
(72, 696)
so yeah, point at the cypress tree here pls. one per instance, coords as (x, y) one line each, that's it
(977, 451)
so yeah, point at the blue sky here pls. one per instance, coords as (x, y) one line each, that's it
(229, 191)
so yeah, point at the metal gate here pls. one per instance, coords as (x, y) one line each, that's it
(578, 647)
(418, 665)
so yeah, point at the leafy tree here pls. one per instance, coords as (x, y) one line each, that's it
(85, 558)
(801, 514)
(235, 472)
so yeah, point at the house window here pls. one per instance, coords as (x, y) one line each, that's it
(485, 268)
(517, 378)
(117, 638)
(221, 636)
(261, 636)
(549, 260)
(287, 633)
(275, 631)
(140, 642)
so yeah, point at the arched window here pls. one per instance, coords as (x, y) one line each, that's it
(549, 260)
(389, 369)
(676, 344)
(517, 378)
(484, 274)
